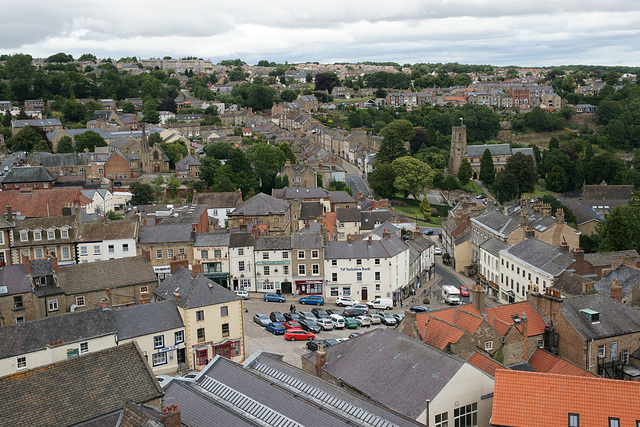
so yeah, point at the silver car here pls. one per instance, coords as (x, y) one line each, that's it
(387, 319)
(326, 323)
(363, 320)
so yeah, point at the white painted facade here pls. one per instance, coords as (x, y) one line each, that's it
(242, 272)
(272, 267)
(517, 276)
(106, 249)
(161, 349)
(220, 214)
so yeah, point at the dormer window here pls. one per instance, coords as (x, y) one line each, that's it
(24, 236)
(37, 235)
(64, 234)
(591, 315)
(51, 235)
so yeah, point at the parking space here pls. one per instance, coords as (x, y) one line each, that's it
(257, 338)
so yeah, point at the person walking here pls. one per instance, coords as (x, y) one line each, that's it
(291, 309)
(294, 308)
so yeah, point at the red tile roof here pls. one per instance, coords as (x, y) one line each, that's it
(42, 203)
(535, 399)
(501, 318)
(485, 363)
(543, 361)
(465, 317)
(437, 333)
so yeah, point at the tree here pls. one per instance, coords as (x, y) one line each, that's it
(219, 150)
(89, 140)
(382, 180)
(87, 57)
(150, 111)
(27, 138)
(609, 168)
(380, 93)
(621, 229)
(411, 176)
(340, 186)
(142, 194)
(288, 95)
(554, 143)
(487, 169)
(556, 204)
(6, 119)
(395, 134)
(556, 179)
(168, 104)
(41, 147)
(267, 161)
(175, 151)
(113, 216)
(517, 177)
(65, 145)
(425, 207)
(154, 138)
(288, 152)
(464, 172)
(128, 107)
(73, 111)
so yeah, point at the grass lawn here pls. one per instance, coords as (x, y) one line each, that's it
(539, 190)
(412, 209)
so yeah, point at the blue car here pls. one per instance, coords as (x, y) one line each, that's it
(312, 299)
(276, 328)
(271, 297)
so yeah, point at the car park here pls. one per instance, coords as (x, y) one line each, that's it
(261, 319)
(345, 301)
(381, 303)
(310, 325)
(292, 324)
(241, 293)
(298, 335)
(326, 323)
(464, 291)
(276, 316)
(276, 328)
(313, 345)
(363, 320)
(338, 321)
(312, 299)
(350, 323)
(292, 316)
(399, 317)
(271, 297)
(388, 319)
(318, 312)
(375, 318)
(352, 312)
(420, 309)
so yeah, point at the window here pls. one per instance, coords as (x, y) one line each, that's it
(224, 311)
(201, 357)
(377, 261)
(158, 253)
(377, 275)
(200, 334)
(466, 416)
(315, 254)
(265, 255)
(358, 262)
(285, 269)
(245, 283)
(334, 262)
(624, 356)
(334, 291)
(51, 235)
(268, 285)
(614, 422)
(84, 347)
(159, 358)
(235, 348)
(22, 362)
(24, 237)
(111, 249)
(80, 301)
(518, 270)
(179, 337)
(574, 420)
(144, 289)
(170, 253)
(302, 269)
(241, 252)
(125, 247)
(540, 343)
(53, 305)
(240, 265)
(346, 291)
(158, 341)
(66, 253)
(488, 345)
(442, 420)
(334, 277)
(602, 351)
(359, 276)
(285, 255)
(199, 315)
(614, 351)
(377, 286)
(37, 235)
(265, 270)
(20, 319)
(217, 253)
(300, 254)
(225, 329)
(96, 250)
(83, 251)
(181, 251)
(38, 253)
(315, 269)
(18, 304)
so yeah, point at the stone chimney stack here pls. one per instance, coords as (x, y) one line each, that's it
(578, 254)
(616, 291)
(321, 359)
(27, 264)
(176, 296)
(196, 268)
(386, 234)
(525, 336)
(564, 246)
(560, 215)
(9, 214)
(170, 416)
(104, 304)
(477, 298)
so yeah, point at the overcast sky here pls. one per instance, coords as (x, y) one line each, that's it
(498, 32)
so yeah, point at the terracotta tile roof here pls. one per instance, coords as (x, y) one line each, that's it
(329, 222)
(543, 361)
(501, 318)
(437, 333)
(465, 317)
(41, 203)
(485, 363)
(535, 399)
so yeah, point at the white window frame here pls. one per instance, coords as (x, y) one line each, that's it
(83, 251)
(125, 247)
(52, 305)
(301, 255)
(170, 253)
(50, 233)
(21, 362)
(241, 266)
(37, 235)
(24, 236)
(81, 301)
(158, 341)
(315, 254)
(64, 234)
(158, 253)
(302, 270)
(84, 347)
(315, 269)
(66, 252)
(96, 249)
(488, 345)
(159, 358)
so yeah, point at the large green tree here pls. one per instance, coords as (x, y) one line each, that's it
(487, 169)
(142, 194)
(25, 140)
(620, 230)
(518, 176)
(382, 180)
(607, 167)
(89, 140)
(412, 176)
(150, 111)
(394, 135)
(65, 145)
(464, 172)
(267, 161)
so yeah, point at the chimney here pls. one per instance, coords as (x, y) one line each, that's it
(176, 296)
(530, 233)
(616, 291)
(170, 416)
(349, 238)
(525, 334)
(477, 298)
(564, 246)
(175, 263)
(54, 263)
(524, 218)
(9, 214)
(104, 304)
(307, 225)
(560, 215)
(66, 210)
(370, 239)
(321, 359)
(386, 234)
(27, 264)
(196, 269)
(578, 254)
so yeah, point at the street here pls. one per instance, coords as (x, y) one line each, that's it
(357, 184)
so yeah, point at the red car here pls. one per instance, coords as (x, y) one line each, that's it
(291, 324)
(464, 291)
(298, 335)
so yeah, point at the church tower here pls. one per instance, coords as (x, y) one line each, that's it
(458, 148)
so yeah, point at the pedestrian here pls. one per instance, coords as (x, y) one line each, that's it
(291, 309)
(294, 308)
(365, 330)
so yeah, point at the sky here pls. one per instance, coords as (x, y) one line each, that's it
(496, 32)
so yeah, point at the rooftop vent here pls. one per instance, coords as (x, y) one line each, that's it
(516, 319)
(591, 315)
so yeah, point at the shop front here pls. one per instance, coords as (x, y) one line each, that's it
(309, 285)
(163, 271)
(204, 352)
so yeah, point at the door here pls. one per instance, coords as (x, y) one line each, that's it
(286, 288)
(182, 356)
(364, 292)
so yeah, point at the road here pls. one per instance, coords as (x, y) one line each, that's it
(357, 184)
(449, 278)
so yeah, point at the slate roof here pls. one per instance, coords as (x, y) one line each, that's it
(496, 222)
(604, 259)
(218, 200)
(401, 385)
(570, 283)
(212, 239)
(607, 192)
(532, 399)
(78, 389)
(626, 276)
(311, 210)
(541, 255)
(14, 280)
(195, 291)
(615, 318)
(186, 162)
(495, 149)
(113, 273)
(582, 212)
(543, 361)
(290, 193)
(269, 243)
(42, 203)
(494, 246)
(113, 230)
(261, 204)
(59, 160)
(165, 233)
(189, 213)
(371, 219)
(340, 197)
(385, 248)
(41, 267)
(348, 214)
(145, 319)
(28, 174)
(241, 239)
(306, 240)
(67, 222)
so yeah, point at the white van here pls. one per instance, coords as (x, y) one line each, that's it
(381, 303)
(451, 295)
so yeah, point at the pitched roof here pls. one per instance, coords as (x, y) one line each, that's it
(212, 239)
(465, 317)
(385, 248)
(348, 214)
(268, 243)
(625, 276)
(28, 174)
(229, 199)
(438, 333)
(583, 213)
(538, 399)
(543, 361)
(78, 389)
(42, 203)
(494, 246)
(541, 255)
(166, 233)
(607, 192)
(340, 197)
(145, 319)
(495, 149)
(605, 259)
(502, 318)
(14, 280)
(241, 239)
(372, 219)
(570, 283)
(485, 363)
(290, 193)
(311, 210)
(496, 222)
(113, 273)
(306, 240)
(21, 338)
(261, 204)
(194, 291)
(113, 230)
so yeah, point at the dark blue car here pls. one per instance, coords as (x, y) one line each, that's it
(276, 328)
(312, 299)
(271, 297)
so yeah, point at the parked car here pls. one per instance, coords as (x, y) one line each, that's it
(429, 232)
(271, 297)
(304, 314)
(381, 303)
(345, 301)
(276, 328)
(312, 299)
(375, 318)
(261, 319)
(350, 323)
(310, 325)
(354, 334)
(292, 316)
(241, 293)
(363, 320)
(334, 311)
(318, 312)
(464, 291)
(326, 323)
(358, 305)
(292, 324)
(388, 319)
(420, 309)
(352, 312)
(276, 316)
(313, 345)
(338, 321)
(438, 251)
(298, 335)
(399, 317)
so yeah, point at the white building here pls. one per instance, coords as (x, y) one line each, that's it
(103, 201)
(211, 250)
(272, 256)
(242, 272)
(97, 241)
(489, 264)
